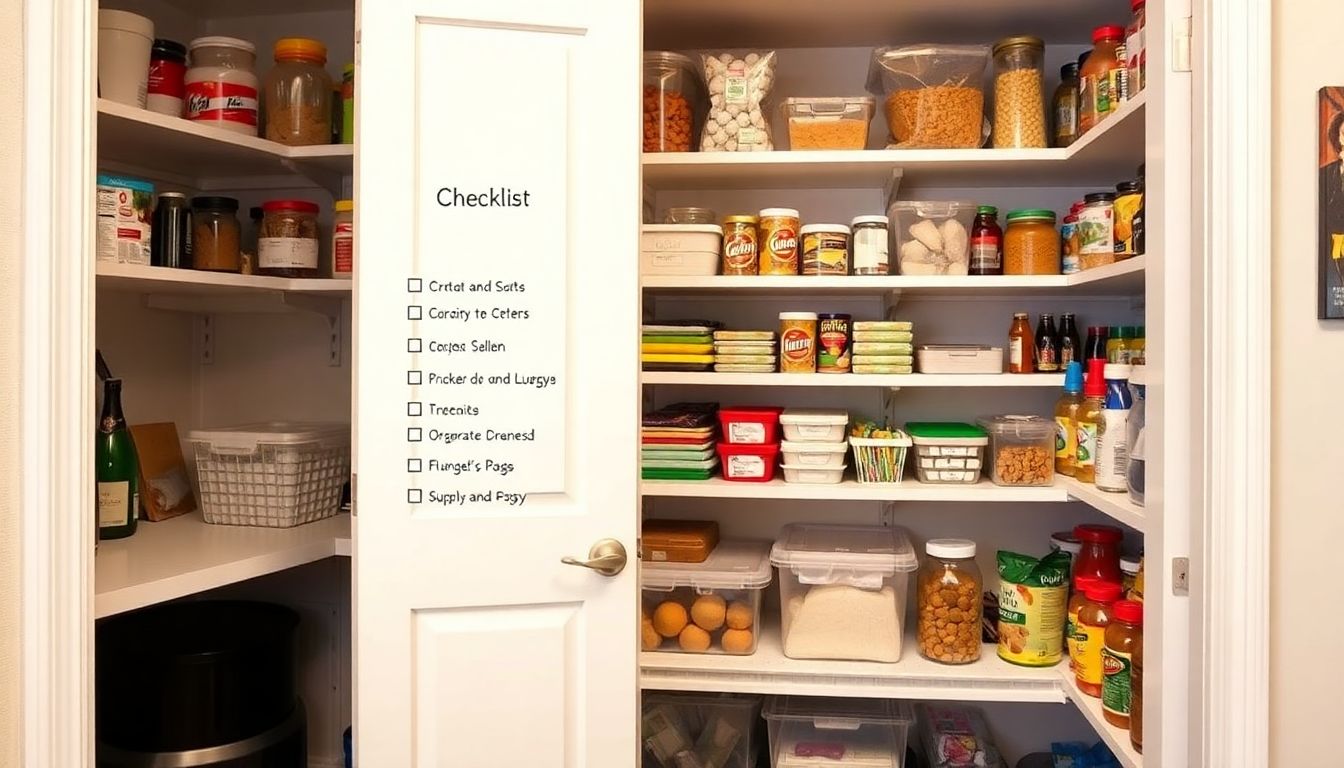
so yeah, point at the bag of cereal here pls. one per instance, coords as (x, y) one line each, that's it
(1033, 606)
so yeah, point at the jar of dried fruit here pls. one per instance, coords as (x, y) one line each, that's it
(674, 102)
(1019, 93)
(287, 245)
(299, 93)
(950, 588)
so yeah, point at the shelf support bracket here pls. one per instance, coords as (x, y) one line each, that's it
(328, 180)
(330, 311)
(207, 339)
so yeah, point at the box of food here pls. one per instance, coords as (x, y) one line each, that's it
(123, 209)
(1022, 449)
(828, 123)
(708, 607)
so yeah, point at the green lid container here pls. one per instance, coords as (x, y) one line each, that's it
(988, 209)
(1032, 214)
(946, 433)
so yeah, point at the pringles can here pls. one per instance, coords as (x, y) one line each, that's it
(797, 342)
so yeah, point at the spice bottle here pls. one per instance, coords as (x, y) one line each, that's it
(1100, 553)
(950, 602)
(1123, 636)
(1113, 438)
(1135, 696)
(1066, 106)
(1094, 616)
(1070, 348)
(1088, 423)
(343, 240)
(1071, 628)
(299, 93)
(1066, 413)
(1095, 348)
(986, 242)
(1047, 345)
(1097, 82)
(1020, 345)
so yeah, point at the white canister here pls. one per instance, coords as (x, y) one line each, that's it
(124, 42)
(221, 86)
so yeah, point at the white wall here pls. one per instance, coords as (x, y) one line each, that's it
(1307, 627)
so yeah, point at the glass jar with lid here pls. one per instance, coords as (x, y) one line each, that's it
(690, 214)
(299, 93)
(871, 242)
(221, 87)
(1019, 93)
(215, 234)
(950, 591)
(287, 245)
(674, 102)
(1066, 105)
(1031, 243)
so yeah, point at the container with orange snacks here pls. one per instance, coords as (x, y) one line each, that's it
(779, 241)
(797, 342)
(1123, 637)
(1093, 618)
(741, 245)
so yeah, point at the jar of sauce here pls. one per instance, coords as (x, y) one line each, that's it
(1031, 243)
(1100, 555)
(1094, 617)
(1020, 345)
(287, 245)
(986, 242)
(1124, 636)
(1098, 78)
(1071, 628)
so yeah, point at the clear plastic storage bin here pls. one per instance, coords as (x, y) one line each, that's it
(1022, 449)
(948, 453)
(709, 607)
(273, 475)
(674, 102)
(934, 94)
(932, 237)
(880, 459)
(812, 731)
(814, 425)
(828, 123)
(700, 729)
(842, 590)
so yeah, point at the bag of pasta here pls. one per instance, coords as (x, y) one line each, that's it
(935, 96)
(1033, 607)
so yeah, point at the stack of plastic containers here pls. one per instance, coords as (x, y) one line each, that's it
(750, 446)
(708, 607)
(948, 452)
(677, 443)
(814, 445)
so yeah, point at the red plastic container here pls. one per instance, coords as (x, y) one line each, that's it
(750, 424)
(748, 463)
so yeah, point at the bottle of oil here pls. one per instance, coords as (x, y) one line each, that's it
(1089, 421)
(1066, 416)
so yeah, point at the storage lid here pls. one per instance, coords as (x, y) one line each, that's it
(871, 219)
(684, 229)
(809, 229)
(1107, 32)
(933, 208)
(169, 48)
(1102, 591)
(343, 206)
(1129, 564)
(1019, 41)
(300, 49)
(1031, 214)
(125, 21)
(220, 41)
(1092, 198)
(741, 218)
(837, 713)
(302, 206)
(988, 210)
(1128, 611)
(1069, 71)
(1021, 427)
(749, 412)
(1128, 188)
(950, 549)
(857, 555)
(668, 61)
(215, 202)
(283, 432)
(831, 107)
(1098, 534)
(946, 433)
(795, 446)
(1116, 372)
(779, 212)
(814, 416)
(734, 564)
(1065, 541)
(173, 195)
(797, 315)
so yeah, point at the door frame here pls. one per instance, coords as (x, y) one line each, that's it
(1229, 649)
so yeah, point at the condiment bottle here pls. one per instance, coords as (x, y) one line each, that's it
(1095, 348)
(986, 242)
(1113, 438)
(1047, 345)
(1117, 349)
(1066, 412)
(1094, 616)
(1020, 345)
(1138, 415)
(1100, 554)
(1066, 106)
(1136, 697)
(1097, 81)
(1129, 571)
(1071, 628)
(1088, 422)
(1123, 635)
(1070, 348)
(1138, 346)
(1135, 46)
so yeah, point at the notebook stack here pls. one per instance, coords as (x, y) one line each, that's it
(678, 345)
(884, 346)
(677, 442)
(745, 351)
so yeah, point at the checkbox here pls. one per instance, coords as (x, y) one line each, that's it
(413, 465)
(414, 345)
(413, 435)
(414, 495)
(414, 409)
(413, 285)
(413, 312)
(412, 377)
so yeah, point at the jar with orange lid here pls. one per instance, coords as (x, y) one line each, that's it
(298, 93)
(1031, 243)
(1093, 618)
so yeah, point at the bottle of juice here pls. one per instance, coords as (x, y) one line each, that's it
(1076, 601)
(1087, 424)
(1066, 412)
(1097, 78)
(1094, 617)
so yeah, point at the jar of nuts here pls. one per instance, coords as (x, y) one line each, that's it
(950, 602)
(1022, 449)
(1019, 93)
(674, 105)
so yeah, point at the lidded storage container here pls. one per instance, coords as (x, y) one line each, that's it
(674, 102)
(842, 590)
(950, 602)
(1022, 449)
(679, 249)
(1019, 93)
(215, 234)
(723, 726)
(934, 97)
(828, 123)
(1031, 244)
(287, 245)
(709, 607)
(810, 731)
(299, 93)
(221, 86)
(948, 452)
(932, 237)
(814, 425)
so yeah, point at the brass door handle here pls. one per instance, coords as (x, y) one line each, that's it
(607, 557)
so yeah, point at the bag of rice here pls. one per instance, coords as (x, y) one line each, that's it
(1033, 605)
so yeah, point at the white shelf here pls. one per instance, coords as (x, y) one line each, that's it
(184, 555)
(133, 278)
(1107, 154)
(712, 379)
(849, 490)
(913, 677)
(1124, 278)
(1115, 505)
(1115, 738)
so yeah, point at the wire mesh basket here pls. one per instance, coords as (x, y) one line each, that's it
(880, 460)
(275, 475)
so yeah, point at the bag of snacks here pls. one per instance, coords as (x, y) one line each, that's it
(934, 94)
(738, 86)
(956, 736)
(1033, 606)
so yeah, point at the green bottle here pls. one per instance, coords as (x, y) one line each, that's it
(117, 468)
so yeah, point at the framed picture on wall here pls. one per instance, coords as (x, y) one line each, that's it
(1330, 304)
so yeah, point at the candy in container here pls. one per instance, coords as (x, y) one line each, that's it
(737, 87)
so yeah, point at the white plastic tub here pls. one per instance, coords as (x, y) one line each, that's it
(948, 453)
(708, 607)
(813, 475)
(814, 455)
(814, 425)
(842, 590)
(859, 732)
(959, 358)
(680, 249)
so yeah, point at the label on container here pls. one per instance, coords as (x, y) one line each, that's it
(746, 432)
(1088, 641)
(1066, 121)
(166, 78)
(736, 88)
(750, 136)
(985, 254)
(343, 249)
(745, 466)
(870, 250)
(1066, 439)
(1113, 450)
(1096, 230)
(1015, 353)
(116, 504)
(286, 253)
(213, 101)
(1117, 692)
(1030, 622)
(1126, 209)
(1071, 641)
(1087, 443)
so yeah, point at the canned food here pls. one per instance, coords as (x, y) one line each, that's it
(825, 249)
(833, 347)
(740, 253)
(778, 233)
(797, 342)
(1128, 204)
(1096, 230)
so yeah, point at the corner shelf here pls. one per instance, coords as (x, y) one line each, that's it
(1117, 739)
(1117, 506)
(712, 379)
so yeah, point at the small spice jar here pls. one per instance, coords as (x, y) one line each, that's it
(343, 239)
(870, 242)
(167, 77)
(1019, 93)
(1031, 243)
(299, 93)
(287, 245)
(215, 234)
(741, 253)
(1096, 230)
(950, 603)
(825, 249)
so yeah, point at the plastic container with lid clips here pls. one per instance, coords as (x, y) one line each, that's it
(948, 452)
(842, 590)
(709, 607)
(299, 93)
(808, 731)
(828, 123)
(680, 249)
(1023, 449)
(221, 86)
(814, 425)
(750, 424)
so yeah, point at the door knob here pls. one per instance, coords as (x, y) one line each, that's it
(607, 557)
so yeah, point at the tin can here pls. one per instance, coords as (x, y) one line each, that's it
(170, 245)
(779, 241)
(797, 342)
(825, 249)
(1068, 238)
(741, 255)
(1128, 204)
(833, 348)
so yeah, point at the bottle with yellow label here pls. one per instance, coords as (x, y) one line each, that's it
(1066, 415)
(1076, 601)
(1087, 422)
(1090, 636)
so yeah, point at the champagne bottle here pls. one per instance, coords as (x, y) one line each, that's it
(117, 468)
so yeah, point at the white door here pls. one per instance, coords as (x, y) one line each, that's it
(497, 190)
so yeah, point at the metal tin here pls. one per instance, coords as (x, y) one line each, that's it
(741, 245)
(833, 343)
(779, 241)
(170, 241)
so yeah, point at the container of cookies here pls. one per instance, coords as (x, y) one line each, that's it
(1021, 449)
(708, 607)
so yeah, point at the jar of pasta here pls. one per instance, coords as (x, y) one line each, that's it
(1031, 243)
(1019, 93)
(215, 234)
(950, 588)
(299, 93)
(287, 242)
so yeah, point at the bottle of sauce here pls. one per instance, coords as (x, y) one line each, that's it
(1097, 78)
(1021, 345)
(1099, 556)
(1113, 439)
(1070, 347)
(986, 242)
(1095, 348)
(1071, 629)
(1066, 413)
(1087, 424)
(1066, 106)
(1136, 697)
(1047, 345)
(1094, 617)
(1123, 636)
(1137, 345)
(1117, 350)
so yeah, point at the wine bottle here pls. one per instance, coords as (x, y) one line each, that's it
(117, 468)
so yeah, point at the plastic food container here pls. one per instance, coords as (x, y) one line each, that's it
(680, 249)
(808, 425)
(828, 123)
(932, 237)
(880, 459)
(675, 723)
(842, 590)
(750, 424)
(709, 607)
(810, 475)
(811, 731)
(948, 452)
(959, 358)
(748, 463)
(674, 102)
(934, 95)
(690, 214)
(222, 90)
(677, 541)
(1031, 243)
(1022, 449)
(125, 41)
(814, 455)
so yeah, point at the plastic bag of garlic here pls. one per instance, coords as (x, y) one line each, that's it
(737, 87)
